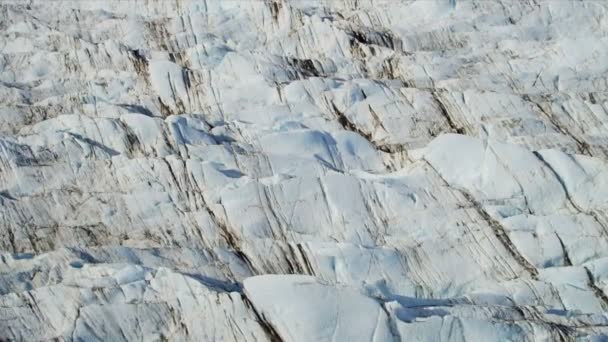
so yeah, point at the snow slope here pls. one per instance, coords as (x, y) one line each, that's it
(304, 170)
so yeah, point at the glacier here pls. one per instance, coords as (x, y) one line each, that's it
(304, 170)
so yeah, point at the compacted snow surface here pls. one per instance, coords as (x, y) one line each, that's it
(295, 170)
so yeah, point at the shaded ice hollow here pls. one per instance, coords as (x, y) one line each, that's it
(282, 170)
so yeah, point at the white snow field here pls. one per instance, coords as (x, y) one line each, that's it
(304, 170)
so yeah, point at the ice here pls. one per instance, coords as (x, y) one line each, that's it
(291, 170)
(321, 312)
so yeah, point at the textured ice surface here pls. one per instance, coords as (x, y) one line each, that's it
(302, 170)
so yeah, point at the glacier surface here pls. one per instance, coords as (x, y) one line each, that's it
(299, 170)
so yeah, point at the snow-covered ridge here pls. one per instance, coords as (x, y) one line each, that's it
(302, 170)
